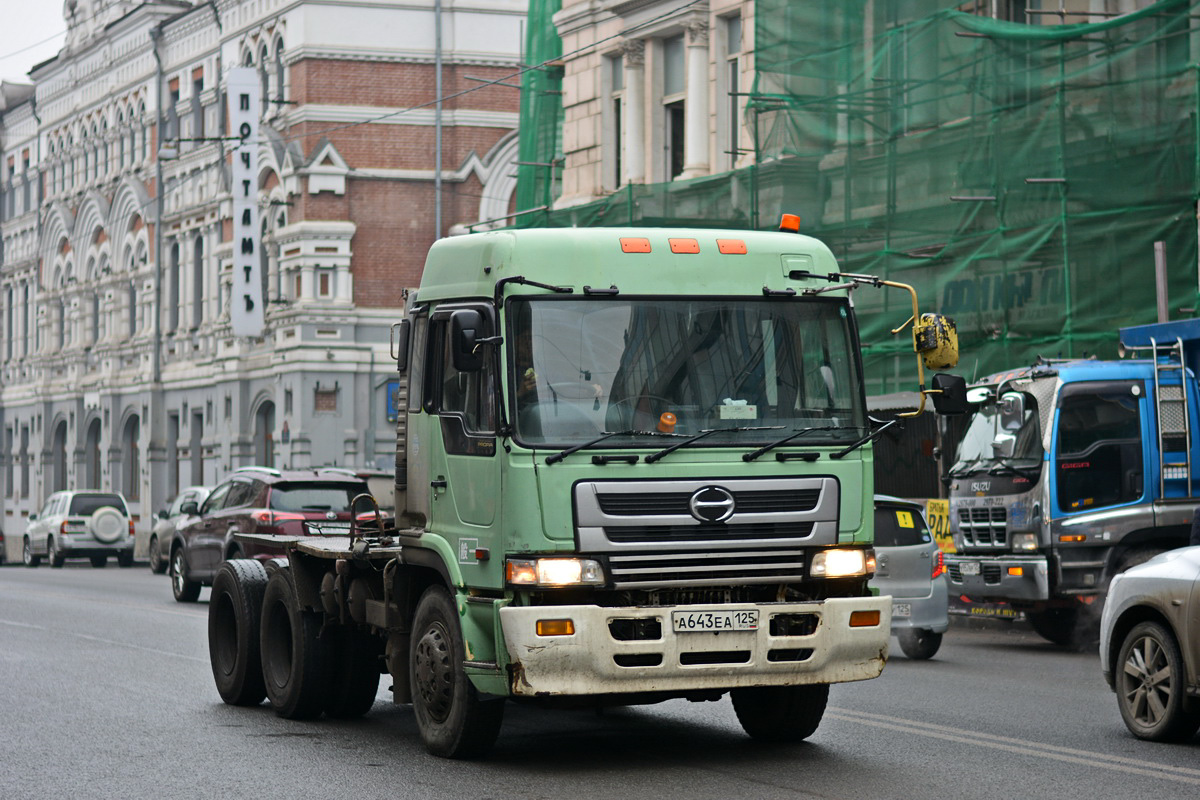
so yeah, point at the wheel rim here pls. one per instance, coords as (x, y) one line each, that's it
(53, 551)
(434, 672)
(177, 572)
(1147, 681)
(27, 553)
(155, 558)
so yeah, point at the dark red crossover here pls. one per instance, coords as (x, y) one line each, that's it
(258, 500)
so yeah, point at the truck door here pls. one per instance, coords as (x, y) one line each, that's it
(464, 467)
(1099, 447)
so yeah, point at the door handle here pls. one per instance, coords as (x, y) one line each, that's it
(440, 483)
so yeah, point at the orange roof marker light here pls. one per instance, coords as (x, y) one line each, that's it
(790, 223)
(666, 422)
(731, 247)
(684, 245)
(634, 244)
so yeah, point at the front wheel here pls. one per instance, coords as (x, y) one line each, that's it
(919, 644)
(452, 719)
(1150, 683)
(781, 713)
(27, 556)
(158, 564)
(234, 612)
(184, 589)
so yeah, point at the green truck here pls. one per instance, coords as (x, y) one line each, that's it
(632, 465)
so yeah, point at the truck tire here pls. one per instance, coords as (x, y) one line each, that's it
(294, 662)
(353, 672)
(234, 615)
(1151, 686)
(452, 719)
(780, 713)
(1055, 625)
(919, 644)
(184, 588)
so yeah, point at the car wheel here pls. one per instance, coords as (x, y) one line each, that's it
(57, 559)
(1150, 683)
(99, 561)
(158, 564)
(919, 644)
(1055, 625)
(234, 614)
(184, 589)
(780, 713)
(27, 556)
(125, 558)
(294, 659)
(354, 673)
(452, 719)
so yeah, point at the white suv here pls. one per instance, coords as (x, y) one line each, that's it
(91, 525)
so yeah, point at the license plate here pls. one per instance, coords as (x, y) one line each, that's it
(969, 567)
(901, 609)
(708, 621)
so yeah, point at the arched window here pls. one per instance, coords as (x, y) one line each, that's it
(120, 140)
(131, 466)
(197, 282)
(173, 290)
(280, 75)
(142, 125)
(265, 74)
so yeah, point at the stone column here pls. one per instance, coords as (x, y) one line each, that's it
(695, 139)
(634, 108)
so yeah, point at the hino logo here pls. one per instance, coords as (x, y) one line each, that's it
(981, 486)
(711, 504)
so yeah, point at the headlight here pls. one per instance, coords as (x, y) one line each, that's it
(554, 572)
(842, 563)
(1024, 541)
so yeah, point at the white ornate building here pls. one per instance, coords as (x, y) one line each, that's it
(118, 367)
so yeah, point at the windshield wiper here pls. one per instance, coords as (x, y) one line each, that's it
(1008, 468)
(966, 469)
(870, 437)
(769, 447)
(559, 456)
(666, 451)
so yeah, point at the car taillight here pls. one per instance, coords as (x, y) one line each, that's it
(63, 528)
(130, 529)
(939, 564)
(267, 517)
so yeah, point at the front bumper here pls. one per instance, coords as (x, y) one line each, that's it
(994, 579)
(590, 661)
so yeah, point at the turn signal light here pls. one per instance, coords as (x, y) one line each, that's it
(555, 627)
(1072, 537)
(864, 619)
(1016, 572)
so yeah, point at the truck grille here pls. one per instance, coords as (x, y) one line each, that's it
(661, 534)
(647, 570)
(990, 573)
(985, 526)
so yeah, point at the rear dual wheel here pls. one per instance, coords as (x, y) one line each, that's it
(295, 664)
(234, 614)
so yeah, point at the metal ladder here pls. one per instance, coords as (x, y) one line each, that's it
(1171, 411)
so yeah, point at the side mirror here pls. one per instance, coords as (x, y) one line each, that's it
(936, 339)
(949, 394)
(467, 330)
(1012, 411)
(399, 344)
(32, 517)
(190, 508)
(1004, 445)
(163, 514)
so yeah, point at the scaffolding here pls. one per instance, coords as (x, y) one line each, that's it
(1018, 173)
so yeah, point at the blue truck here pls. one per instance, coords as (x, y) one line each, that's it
(1071, 472)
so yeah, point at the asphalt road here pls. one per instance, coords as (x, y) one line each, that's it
(105, 691)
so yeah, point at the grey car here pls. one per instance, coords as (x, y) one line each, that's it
(93, 525)
(167, 520)
(1150, 645)
(909, 566)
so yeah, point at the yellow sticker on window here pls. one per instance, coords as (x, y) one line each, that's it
(904, 519)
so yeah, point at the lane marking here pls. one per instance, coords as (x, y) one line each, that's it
(86, 637)
(1020, 746)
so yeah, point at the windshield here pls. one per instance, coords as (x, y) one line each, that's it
(756, 369)
(975, 449)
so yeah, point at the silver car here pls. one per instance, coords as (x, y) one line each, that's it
(1150, 645)
(92, 525)
(909, 566)
(167, 520)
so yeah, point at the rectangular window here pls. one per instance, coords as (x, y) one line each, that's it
(197, 109)
(325, 400)
(733, 106)
(612, 120)
(674, 84)
(1098, 461)
(325, 283)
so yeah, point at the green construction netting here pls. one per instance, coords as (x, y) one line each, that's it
(1019, 175)
(539, 145)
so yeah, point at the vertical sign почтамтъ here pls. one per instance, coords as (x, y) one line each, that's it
(246, 300)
